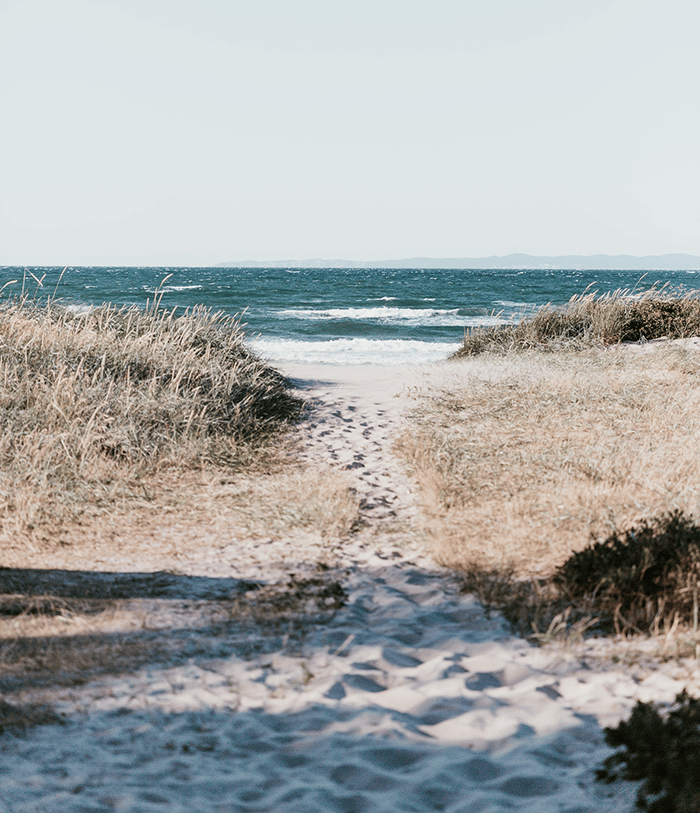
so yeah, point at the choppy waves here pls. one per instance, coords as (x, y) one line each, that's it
(166, 289)
(353, 351)
(393, 315)
(341, 316)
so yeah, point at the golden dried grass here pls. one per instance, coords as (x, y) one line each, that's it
(296, 498)
(533, 454)
(94, 404)
(625, 315)
(146, 440)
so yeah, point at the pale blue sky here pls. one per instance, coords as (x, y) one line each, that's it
(202, 131)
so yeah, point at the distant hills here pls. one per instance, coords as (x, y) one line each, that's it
(614, 262)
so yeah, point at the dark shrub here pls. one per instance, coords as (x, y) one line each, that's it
(649, 572)
(665, 753)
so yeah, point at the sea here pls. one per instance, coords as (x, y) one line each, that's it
(356, 316)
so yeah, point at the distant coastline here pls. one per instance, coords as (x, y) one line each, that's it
(593, 262)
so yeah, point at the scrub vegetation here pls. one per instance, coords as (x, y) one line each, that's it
(565, 486)
(145, 440)
(662, 749)
(587, 320)
(93, 404)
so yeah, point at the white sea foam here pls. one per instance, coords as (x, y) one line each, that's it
(376, 312)
(506, 303)
(353, 351)
(390, 315)
(170, 288)
(80, 310)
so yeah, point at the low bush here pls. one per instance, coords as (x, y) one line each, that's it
(643, 580)
(663, 752)
(19, 718)
(636, 578)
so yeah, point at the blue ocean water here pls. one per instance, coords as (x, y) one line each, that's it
(336, 315)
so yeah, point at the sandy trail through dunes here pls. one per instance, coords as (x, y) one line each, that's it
(408, 698)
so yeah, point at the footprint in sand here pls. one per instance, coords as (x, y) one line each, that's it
(411, 698)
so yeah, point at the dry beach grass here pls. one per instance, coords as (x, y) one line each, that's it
(140, 436)
(95, 403)
(533, 454)
(625, 315)
(145, 599)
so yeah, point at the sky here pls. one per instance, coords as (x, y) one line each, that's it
(193, 132)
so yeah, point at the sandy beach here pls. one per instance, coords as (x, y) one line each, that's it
(407, 698)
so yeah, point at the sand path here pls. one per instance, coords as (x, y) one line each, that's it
(409, 698)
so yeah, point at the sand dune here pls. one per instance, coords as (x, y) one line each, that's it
(409, 698)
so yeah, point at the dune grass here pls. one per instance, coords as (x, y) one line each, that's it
(566, 485)
(589, 320)
(296, 498)
(93, 403)
(529, 457)
(146, 440)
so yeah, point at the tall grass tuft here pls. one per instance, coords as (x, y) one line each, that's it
(588, 320)
(523, 459)
(91, 401)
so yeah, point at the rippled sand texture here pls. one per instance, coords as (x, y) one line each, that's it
(409, 698)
